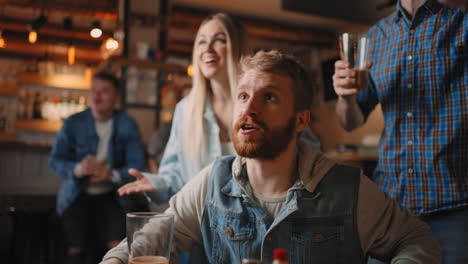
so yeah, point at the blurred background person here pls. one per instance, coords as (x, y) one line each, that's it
(92, 153)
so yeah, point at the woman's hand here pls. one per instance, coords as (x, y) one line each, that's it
(142, 184)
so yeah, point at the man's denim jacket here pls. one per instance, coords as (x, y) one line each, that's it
(78, 138)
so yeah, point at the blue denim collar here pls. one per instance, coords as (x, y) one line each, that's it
(234, 187)
(312, 166)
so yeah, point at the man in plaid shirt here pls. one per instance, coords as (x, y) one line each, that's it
(419, 75)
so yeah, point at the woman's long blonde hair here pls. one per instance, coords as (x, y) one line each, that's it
(194, 126)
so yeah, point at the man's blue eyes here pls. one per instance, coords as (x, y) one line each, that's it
(266, 97)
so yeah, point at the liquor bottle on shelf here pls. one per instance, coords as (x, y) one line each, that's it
(21, 106)
(64, 105)
(37, 105)
(280, 256)
(11, 116)
(81, 104)
(3, 118)
(54, 114)
(46, 107)
(72, 106)
(29, 106)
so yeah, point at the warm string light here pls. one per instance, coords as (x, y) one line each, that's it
(109, 47)
(34, 28)
(32, 37)
(111, 44)
(71, 54)
(190, 70)
(2, 40)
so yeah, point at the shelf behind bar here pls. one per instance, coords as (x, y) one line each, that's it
(66, 81)
(15, 144)
(9, 89)
(39, 125)
(7, 137)
(147, 64)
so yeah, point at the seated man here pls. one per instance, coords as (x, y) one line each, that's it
(92, 153)
(280, 192)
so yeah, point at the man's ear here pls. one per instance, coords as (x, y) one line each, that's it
(302, 120)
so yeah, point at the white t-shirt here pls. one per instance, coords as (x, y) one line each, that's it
(104, 132)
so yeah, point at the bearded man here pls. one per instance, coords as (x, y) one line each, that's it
(280, 192)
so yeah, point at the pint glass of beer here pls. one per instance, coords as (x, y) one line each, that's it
(149, 237)
(353, 49)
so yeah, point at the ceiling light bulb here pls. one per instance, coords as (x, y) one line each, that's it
(112, 44)
(96, 31)
(190, 70)
(2, 40)
(32, 37)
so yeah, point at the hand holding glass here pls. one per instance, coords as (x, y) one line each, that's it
(353, 49)
(149, 237)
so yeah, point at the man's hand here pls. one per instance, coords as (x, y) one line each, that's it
(112, 261)
(142, 184)
(348, 82)
(88, 165)
(101, 173)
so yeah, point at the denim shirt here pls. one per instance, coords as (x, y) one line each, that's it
(78, 138)
(315, 227)
(175, 169)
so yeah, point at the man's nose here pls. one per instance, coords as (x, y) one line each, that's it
(252, 107)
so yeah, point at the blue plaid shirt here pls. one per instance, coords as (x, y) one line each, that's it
(420, 77)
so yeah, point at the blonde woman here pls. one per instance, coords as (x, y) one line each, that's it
(202, 121)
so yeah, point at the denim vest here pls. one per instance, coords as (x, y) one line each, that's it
(318, 227)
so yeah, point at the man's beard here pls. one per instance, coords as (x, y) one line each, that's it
(268, 145)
